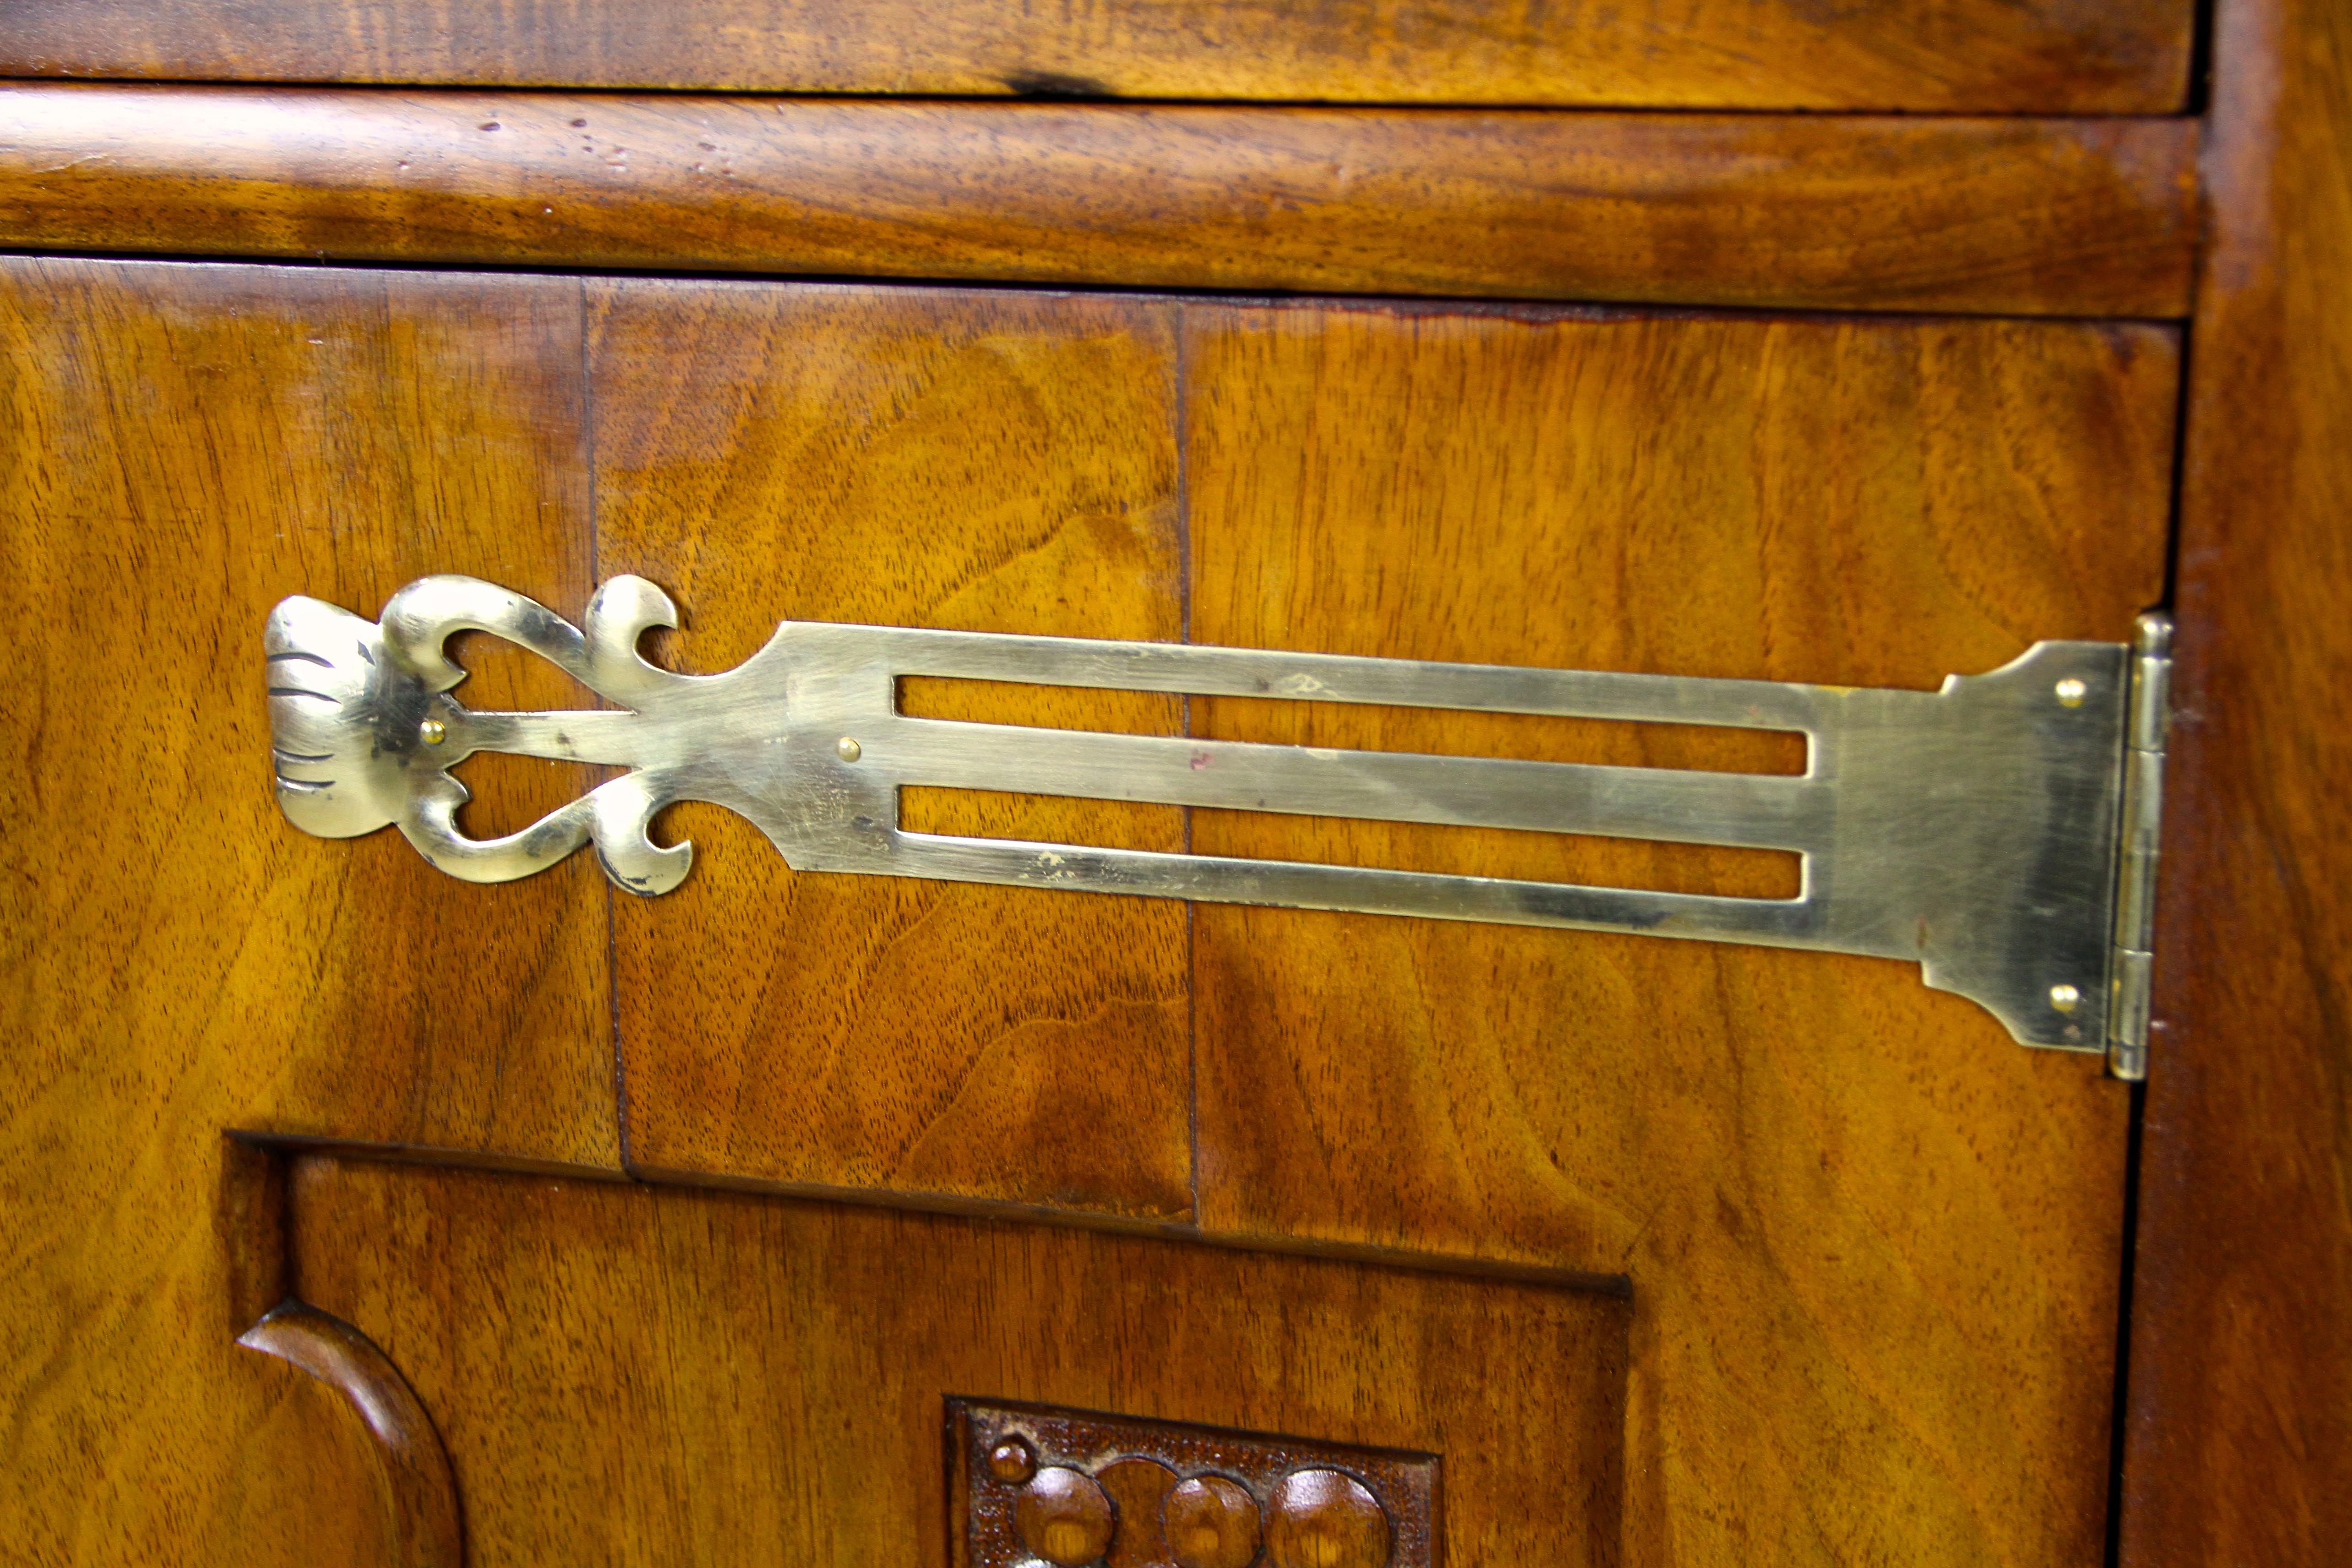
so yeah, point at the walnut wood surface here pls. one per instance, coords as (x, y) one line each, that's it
(2240, 1447)
(423, 1529)
(179, 447)
(636, 1374)
(1874, 1245)
(965, 461)
(2029, 56)
(2076, 217)
(186, 445)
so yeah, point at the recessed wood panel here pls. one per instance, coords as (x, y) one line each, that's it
(1874, 1244)
(179, 447)
(642, 1376)
(976, 462)
(2023, 55)
(2067, 217)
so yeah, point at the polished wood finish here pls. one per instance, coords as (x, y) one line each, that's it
(2239, 1444)
(1890, 1209)
(2073, 218)
(186, 445)
(2026, 57)
(1874, 1245)
(650, 1375)
(984, 462)
(1810, 1266)
(1211, 1522)
(179, 447)
(424, 1529)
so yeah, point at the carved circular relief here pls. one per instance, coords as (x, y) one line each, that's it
(1064, 1517)
(1211, 1522)
(1321, 1519)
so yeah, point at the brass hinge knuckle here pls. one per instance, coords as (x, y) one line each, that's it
(2131, 965)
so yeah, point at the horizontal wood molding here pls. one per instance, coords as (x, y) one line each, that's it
(2088, 217)
(1963, 55)
(648, 1375)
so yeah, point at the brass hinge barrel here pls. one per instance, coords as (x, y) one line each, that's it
(2132, 965)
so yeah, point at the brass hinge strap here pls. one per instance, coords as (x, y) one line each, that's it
(1976, 830)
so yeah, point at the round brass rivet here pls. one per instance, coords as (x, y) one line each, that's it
(2071, 692)
(433, 731)
(1013, 1461)
(1211, 1522)
(1064, 1516)
(2065, 998)
(1321, 1519)
(849, 749)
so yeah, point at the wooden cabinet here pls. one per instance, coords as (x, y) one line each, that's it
(741, 1224)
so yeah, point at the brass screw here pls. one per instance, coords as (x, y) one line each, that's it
(2071, 692)
(2065, 998)
(849, 749)
(433, 731)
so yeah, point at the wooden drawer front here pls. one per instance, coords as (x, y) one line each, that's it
(1981, 56)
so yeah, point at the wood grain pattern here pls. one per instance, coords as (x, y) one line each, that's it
(179, 447)
(186, 445)
(1874, 1245)
(2239, 1444)
(423, 1526)
(2123, 56)
(969, 461)
(2076, 217)
(642, 1376)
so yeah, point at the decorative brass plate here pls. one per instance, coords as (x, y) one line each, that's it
(1974, 830)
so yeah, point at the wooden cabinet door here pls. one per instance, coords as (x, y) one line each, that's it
(699, 1227)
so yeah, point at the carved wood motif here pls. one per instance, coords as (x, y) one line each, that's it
(1072, 1488)
(427, 1529)
(2048, 57)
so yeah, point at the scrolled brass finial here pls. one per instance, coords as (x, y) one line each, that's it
(363, 732)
